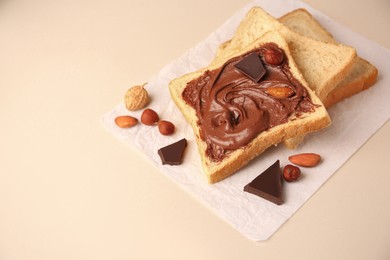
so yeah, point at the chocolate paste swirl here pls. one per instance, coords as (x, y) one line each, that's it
(232, 108)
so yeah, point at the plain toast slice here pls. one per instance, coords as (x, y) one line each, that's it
(362, 76)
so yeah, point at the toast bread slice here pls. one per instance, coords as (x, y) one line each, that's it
(362, 76)
(215, 171)
(322, 64)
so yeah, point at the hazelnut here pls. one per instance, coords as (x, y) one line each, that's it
(149, 117)
(136, 98)
(273, 56)
(291, 173)
(166, 127)
(126, 121)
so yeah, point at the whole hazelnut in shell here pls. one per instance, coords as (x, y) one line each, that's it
(136, 98)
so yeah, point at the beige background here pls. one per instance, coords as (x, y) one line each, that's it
(70, 190)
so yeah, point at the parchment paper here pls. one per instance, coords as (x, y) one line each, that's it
(257, 219)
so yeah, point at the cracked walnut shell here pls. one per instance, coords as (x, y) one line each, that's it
(136, 98)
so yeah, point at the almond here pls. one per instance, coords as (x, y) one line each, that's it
(305, 159)
(280, 92)
(126, 121)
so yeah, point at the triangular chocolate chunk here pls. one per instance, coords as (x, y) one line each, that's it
(252, 67)
(173, 154)
(268, 185)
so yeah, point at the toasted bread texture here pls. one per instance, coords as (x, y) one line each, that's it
(303, 123)
(362, 76)
(323, 64)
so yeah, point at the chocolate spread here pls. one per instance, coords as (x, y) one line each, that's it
(233, 107)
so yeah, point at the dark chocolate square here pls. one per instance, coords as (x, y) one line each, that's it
(252, 67)
(173, 154)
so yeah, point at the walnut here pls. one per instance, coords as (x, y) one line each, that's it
(136, 98)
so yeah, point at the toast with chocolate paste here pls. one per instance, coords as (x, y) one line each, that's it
(239, 106)
(322, 64)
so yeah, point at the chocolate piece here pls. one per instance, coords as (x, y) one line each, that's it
(268, 185)
(252, 67)
(173, 154)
